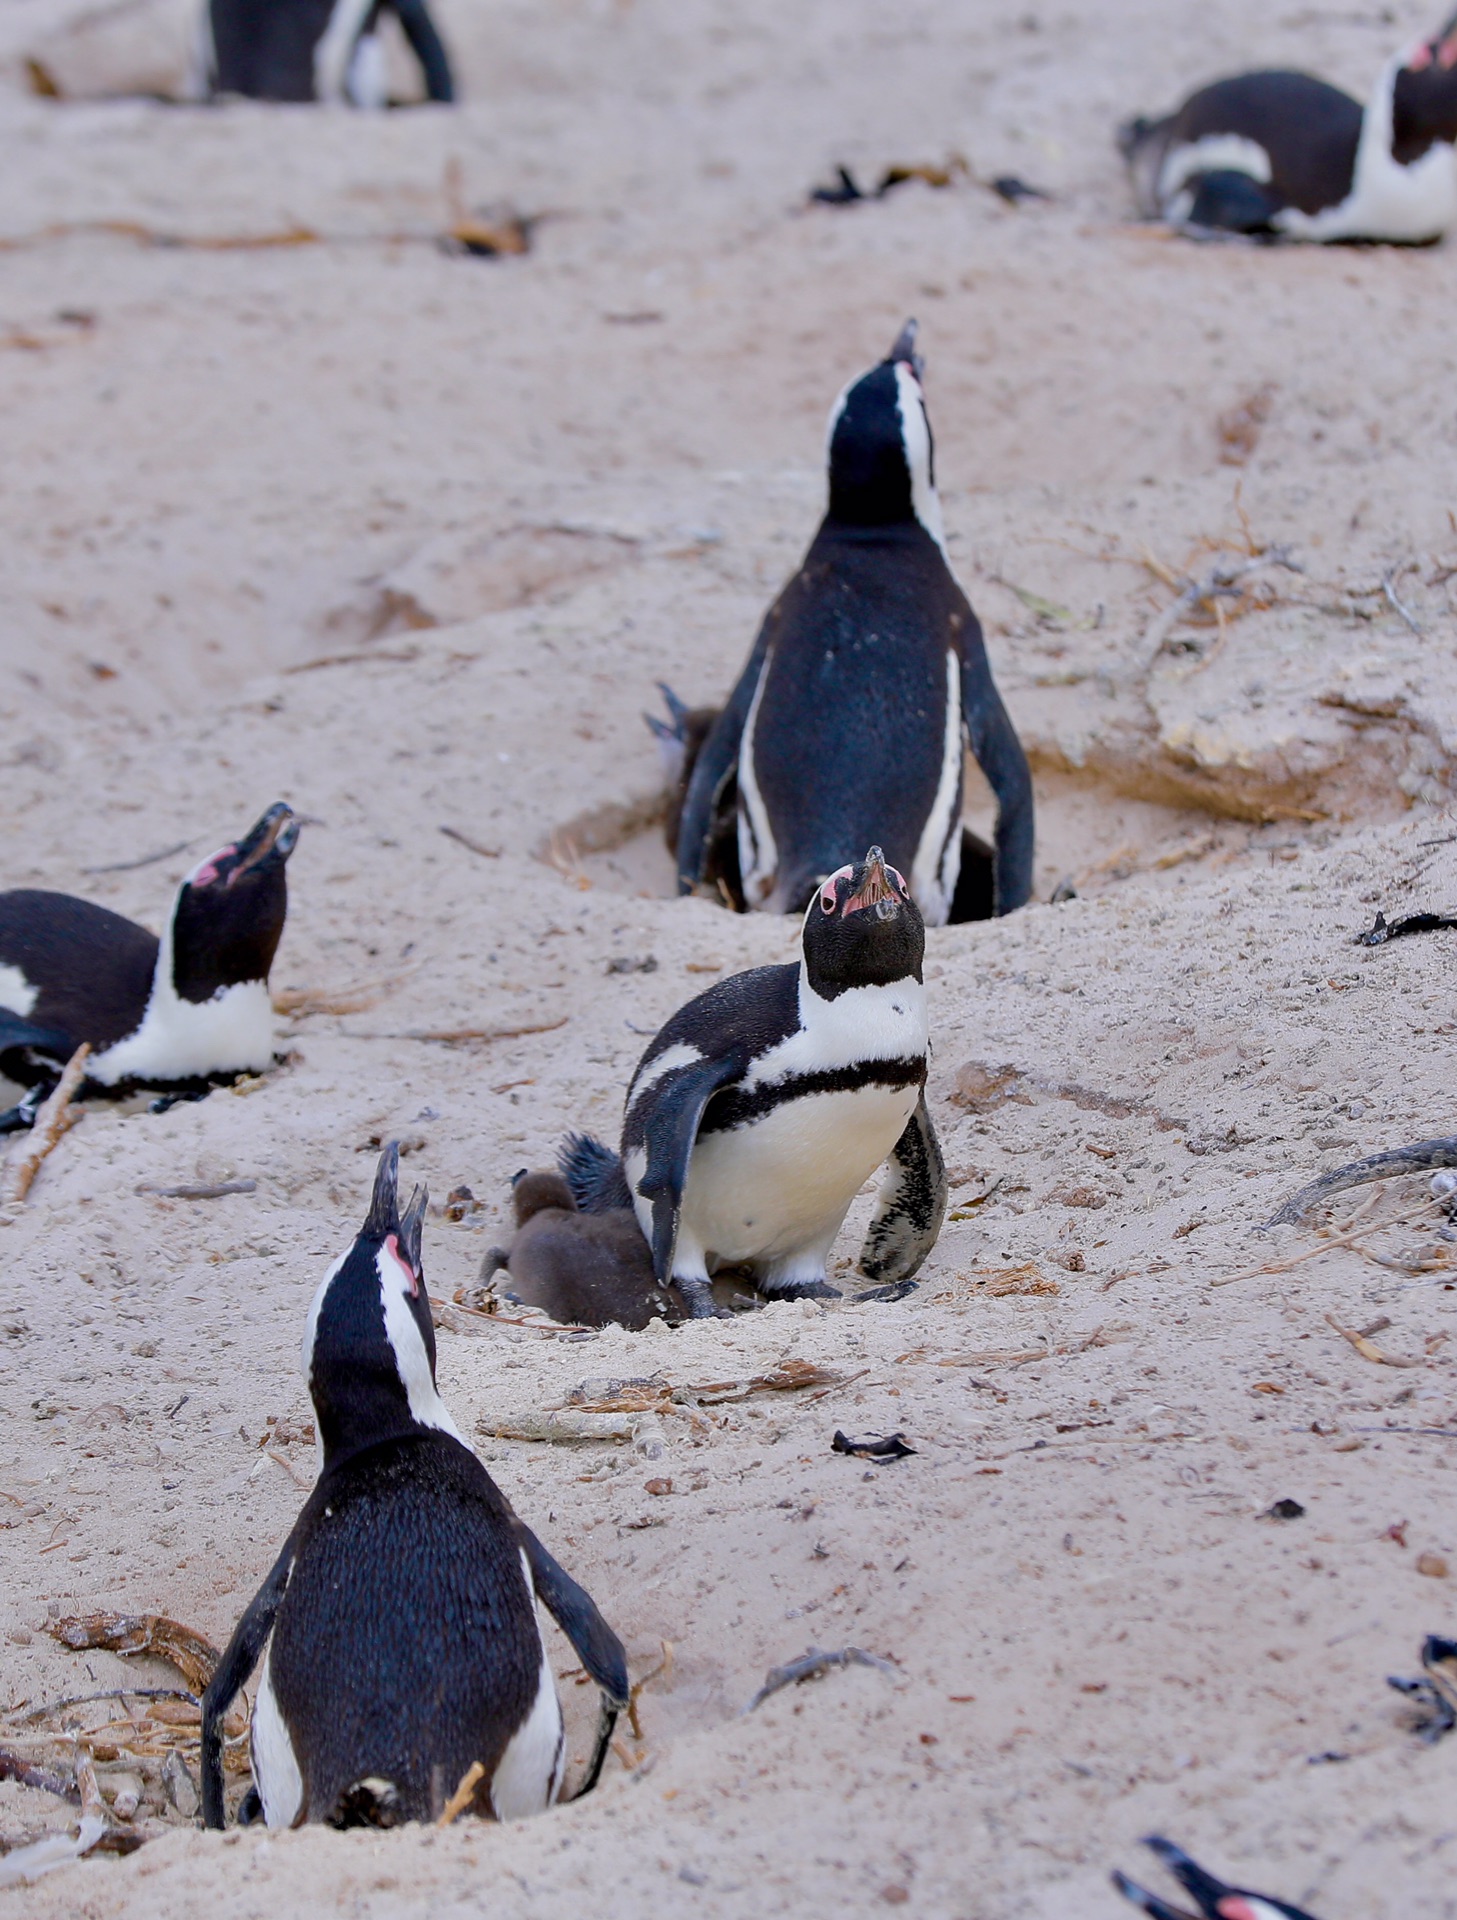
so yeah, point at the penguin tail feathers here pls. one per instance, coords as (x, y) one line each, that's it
(594, 1173)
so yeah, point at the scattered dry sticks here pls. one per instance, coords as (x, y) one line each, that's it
(55, 1118)
(130, 1633)
(809, 1666)
(195, 1189)
(613, 1409)
(1220, 590)
(1360, 1339)
(461, 1798)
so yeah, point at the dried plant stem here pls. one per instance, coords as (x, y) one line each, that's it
(54, 1118)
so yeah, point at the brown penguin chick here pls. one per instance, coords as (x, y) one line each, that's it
(584, 1269)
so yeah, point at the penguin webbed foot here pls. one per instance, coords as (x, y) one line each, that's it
(698, 1298)
(165, 1102)
(896, 1290)
(21, 1117)
(804, 1290)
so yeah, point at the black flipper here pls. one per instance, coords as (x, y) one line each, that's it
(1148, 1902)
(910, 1209)
(675, 1109)
(16, 1033)
(594, 1174)
(596, 1645)
(575, 1612)
(998, 752)
(239, 1659)
(1226, 201)
(428, 48)
(717, 763)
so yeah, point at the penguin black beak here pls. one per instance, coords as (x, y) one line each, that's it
(412, 1228)
(383, 1218)
(876, 889)
(275, 836)
(904, 350)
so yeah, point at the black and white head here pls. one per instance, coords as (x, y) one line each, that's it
(882, 459)
(1424, 96)
(369, 1346)
(862, 929)
(230, 910)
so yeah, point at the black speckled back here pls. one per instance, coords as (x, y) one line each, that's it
(406, 1645)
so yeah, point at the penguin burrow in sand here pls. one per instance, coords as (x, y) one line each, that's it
(325, 50)
(762, 1106)
(1285, 154)
(1215, 1899)
(179, 1012)
(584, 1269)
(868, 680)
(398, 1629)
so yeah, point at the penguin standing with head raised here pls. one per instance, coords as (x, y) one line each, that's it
(868, 681)
(398, 1629)
(176, 1013)
(324, 50)
(1284, 154)
(763, 1105)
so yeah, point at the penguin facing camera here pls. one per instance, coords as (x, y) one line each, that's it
(1215, 1899)
(867, 682)
(324, 50)
(763, 1105)
(1284, 154)
(584, 1269)
(179, 1013)
(398, 1628)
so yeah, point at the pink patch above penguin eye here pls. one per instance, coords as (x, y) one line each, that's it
(1447, 52)
(412, 1279)
(1419, 59)
(1235, 1907)
(206, 875)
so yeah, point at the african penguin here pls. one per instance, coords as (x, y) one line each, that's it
(1280, 153)
(868, 680)
(584, 1269)
(325, 50)
(179, 1012)
(762, 1106)
(1215, 1899)
(681, 738)
(398, 1629)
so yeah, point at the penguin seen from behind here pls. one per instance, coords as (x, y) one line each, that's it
(180, 1012)
(324, 50)
(398, 1629)
(759, 1110)
(866, 684)
(1284, 154)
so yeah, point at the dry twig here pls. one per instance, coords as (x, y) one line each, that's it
(461, 1798)
(54, 1118)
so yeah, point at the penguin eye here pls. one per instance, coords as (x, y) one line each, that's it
(827, 899)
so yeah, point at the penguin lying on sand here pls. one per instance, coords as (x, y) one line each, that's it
(1283, 153)
(400, 1620)
(866, 684)
(1214, 1898)
(175, 1013)
(584, 1269)
(326, 50)
(763, 1105)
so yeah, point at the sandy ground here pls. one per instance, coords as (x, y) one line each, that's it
(406, 540)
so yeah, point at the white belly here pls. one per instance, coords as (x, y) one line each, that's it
(275, 1766)
(529, 1772)
(764, 1192)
